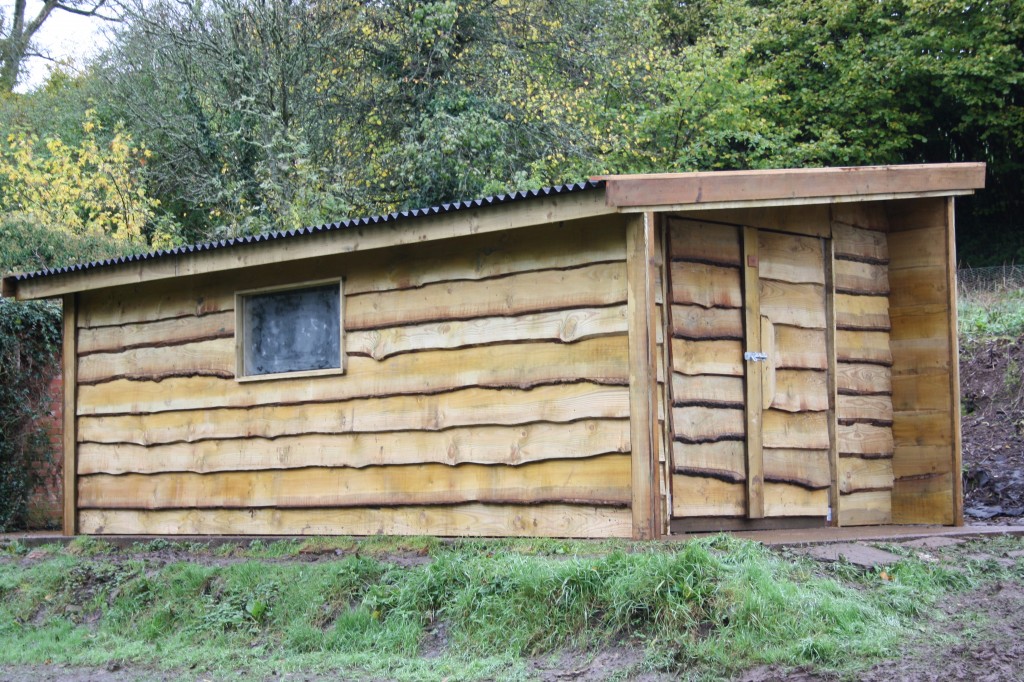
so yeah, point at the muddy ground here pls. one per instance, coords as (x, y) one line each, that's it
(992, 405)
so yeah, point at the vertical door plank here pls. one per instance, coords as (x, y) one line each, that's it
(752, 316)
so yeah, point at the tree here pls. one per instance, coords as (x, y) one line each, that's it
(18, 31)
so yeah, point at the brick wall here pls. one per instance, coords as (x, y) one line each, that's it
(45, 507)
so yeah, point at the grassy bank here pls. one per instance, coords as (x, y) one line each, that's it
(424, 609)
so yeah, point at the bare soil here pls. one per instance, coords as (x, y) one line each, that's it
(992, 402)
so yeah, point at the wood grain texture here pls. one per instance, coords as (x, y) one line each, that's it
(925, 499)
(706, 389)
(707, 357)
(798, 305)
(917, 357)
(861, 379)
(804, 468)
(781, 499)
(797, 348)
(922, 460)
(564, 326)
(862, 312)
(869, 215)
(600, 480)
(552, 520)
(919, 248)
(725, 459)
(559, 403)
(706, 285)
(854, 277)
(697, 323)
(705, 424)
(510, 445)
(854, 243)
(811, 220)
(703, 242)
(800, 391)
(756, 326)
(790, 258)
(529, 292)
(702, 496)
(858, 473)
(214, 357)
(799, 430)
(176, 331)
(521, 365)
(923, 286)
(871, 508)
(867, 408)
(926, 427)
(865, 439)
(864, 347)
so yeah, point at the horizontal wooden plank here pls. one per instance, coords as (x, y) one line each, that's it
(858, 473)
(705, 424)
(865, 439)
(922, 460)
(918, 248)
(919, 286)
(470, 407)
(529, 292)
(781, 499)
(922, 428)
(923, 500)
(800, 430)
(854, 277)
(706, 285)
(920, 323)
(213, 357)
(565, 326)
(510, 445)
(869, 215)
(798, 305)
(707, 357)
(523, 365)
(703, 242)
(916, 357)
(725, 459)
(854, 243)
(863, 346)
(790, 258)
(696, 323)
(797, 348)
(862, 312)
(809, 469)
(598, 480)
(811, 220)
(547, 520)
(799, 390)
(916, 213)
(861, 379)
(870, 508)
(706, 389)
(869, 408)
(160, 333)
(703, 496)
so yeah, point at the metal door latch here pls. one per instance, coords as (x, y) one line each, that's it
(755, 357)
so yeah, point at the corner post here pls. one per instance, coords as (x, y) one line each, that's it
(640, 309)
(954, 366)
(69, 367)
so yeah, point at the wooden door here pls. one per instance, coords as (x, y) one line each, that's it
(787, 361)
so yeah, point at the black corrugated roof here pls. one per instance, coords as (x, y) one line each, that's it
(521, 195)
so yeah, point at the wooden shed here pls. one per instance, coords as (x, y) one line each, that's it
(635, 356)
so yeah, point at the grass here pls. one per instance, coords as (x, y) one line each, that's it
(701, 609)
(985, 315)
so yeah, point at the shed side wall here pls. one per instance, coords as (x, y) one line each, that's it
(486, 393)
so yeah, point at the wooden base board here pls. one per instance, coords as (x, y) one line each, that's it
(710, 524)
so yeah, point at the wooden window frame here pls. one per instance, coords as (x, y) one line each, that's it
(240, 298)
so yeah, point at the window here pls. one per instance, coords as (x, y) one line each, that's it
(295, 331)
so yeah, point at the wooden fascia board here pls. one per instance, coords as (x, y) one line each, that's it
(485, 219)
(731, 189)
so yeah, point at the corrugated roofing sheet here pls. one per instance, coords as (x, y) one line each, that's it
(523, 195)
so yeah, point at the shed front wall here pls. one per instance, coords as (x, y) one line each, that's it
(486, 392)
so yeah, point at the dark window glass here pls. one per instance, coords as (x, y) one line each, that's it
(293, 331)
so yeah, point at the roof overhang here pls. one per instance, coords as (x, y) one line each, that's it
(604, 195)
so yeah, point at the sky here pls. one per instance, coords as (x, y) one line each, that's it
(64, 35)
